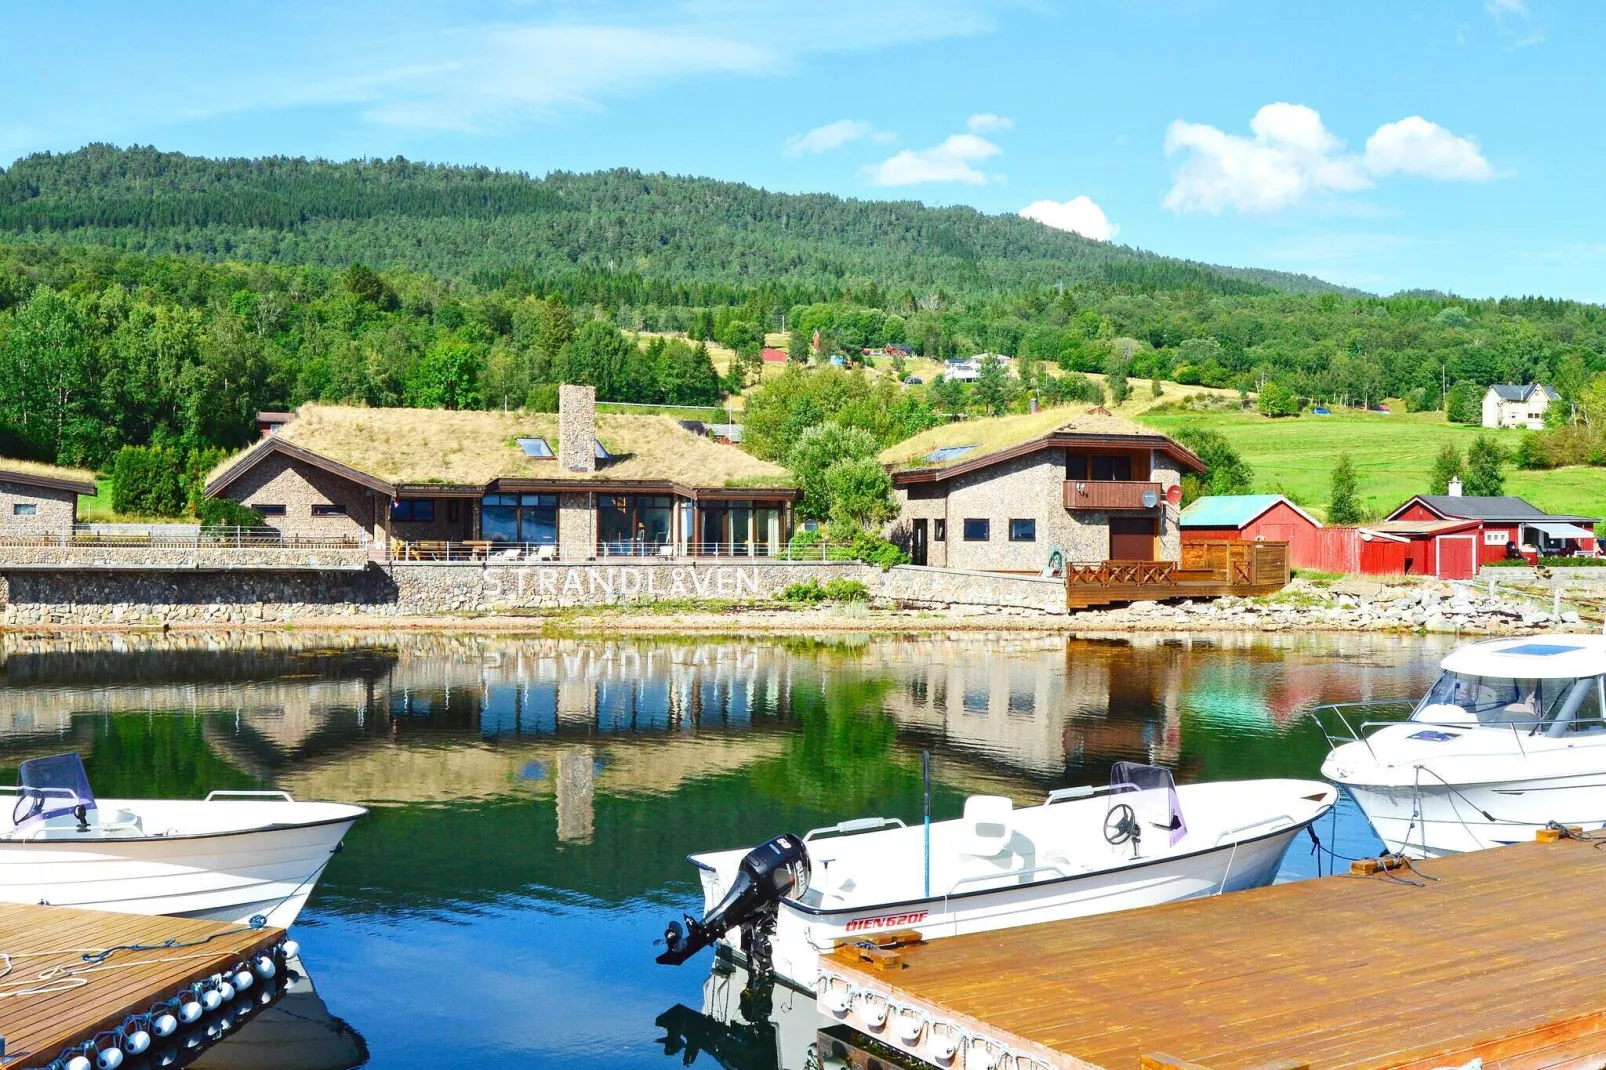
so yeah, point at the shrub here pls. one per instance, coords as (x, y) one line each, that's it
(148, 481)
(226, 513)
(1464, 404)
(866, 546)
(809, 593)
(846, 590)
(1275, 401)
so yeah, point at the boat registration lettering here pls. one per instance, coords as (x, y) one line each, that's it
(885, 921)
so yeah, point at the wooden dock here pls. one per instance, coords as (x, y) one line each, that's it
(41, 941)
(1500, 957)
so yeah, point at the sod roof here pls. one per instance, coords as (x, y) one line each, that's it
(437, 446)
(56, 474)
(1000, 434)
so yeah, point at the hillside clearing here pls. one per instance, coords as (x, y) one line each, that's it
(1393, 456)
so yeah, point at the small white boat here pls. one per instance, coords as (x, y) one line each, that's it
(1083, 851)
(1509, 739)
(235, 856)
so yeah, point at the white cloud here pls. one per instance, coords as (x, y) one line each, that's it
(830, 137)
(1079, 215)
(953, 160)
(987, 122)
(1513, 16)
(1292, 155)
(1414, 146)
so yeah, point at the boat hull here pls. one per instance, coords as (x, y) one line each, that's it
(1433, 821)
(229, 877)
(802, 934)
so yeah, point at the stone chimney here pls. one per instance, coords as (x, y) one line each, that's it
(577, 427)
(1455, 486)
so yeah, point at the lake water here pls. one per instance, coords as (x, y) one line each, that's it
(533, 800)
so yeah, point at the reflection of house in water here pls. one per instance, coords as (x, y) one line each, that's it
(1040, 705)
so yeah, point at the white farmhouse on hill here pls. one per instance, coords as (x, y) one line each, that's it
(1512, 405)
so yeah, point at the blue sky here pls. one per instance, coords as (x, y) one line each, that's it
(1435, 144)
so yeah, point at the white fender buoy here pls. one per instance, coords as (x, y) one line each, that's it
(943, 1047)
(164, 1025)
(109, 1058)
(980, 1057)
(243, 979)
(135, 1041)
(836, 1000)
(910, 1027)
(226, 991)
(79, 1062)
(291, 949)
(264, 967)
(190, 1010)
(873, 1012)
(211, 999)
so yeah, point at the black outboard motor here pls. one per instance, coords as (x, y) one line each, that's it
(769, 873)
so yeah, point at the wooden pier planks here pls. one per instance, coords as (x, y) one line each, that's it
(1501, 957)
(37, 1027)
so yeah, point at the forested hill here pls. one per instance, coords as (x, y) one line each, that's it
(493, 227)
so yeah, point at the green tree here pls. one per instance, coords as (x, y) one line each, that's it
(797, 347)
(860, 492)
(1446, 466)
(1464, 405)
(1275, 401)
(991, 390)
(1483, 478)
(817, 449)
(447, 378)
(1225, 471)
(1343, 496)
(1115, 378)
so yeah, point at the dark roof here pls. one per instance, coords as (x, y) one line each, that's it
(1505, 507)
(1522, 391)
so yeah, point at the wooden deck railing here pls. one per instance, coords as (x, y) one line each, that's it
(1207, 570)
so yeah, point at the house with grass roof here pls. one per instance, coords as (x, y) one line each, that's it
(40, 499)
(574, 485)
(1002, 494)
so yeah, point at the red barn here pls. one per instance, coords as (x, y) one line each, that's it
(1452, 536)
(772, 355)
(1262, 518)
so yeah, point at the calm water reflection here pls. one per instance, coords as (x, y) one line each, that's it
(534, 800)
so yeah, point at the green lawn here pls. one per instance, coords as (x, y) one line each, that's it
(99, 508)
(1393, 456)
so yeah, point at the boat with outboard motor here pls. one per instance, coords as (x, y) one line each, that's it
(1139, 841)
(1510, 739)
(234, 856)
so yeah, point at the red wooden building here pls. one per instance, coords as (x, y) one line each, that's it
(1452, 536)
(1268, 518)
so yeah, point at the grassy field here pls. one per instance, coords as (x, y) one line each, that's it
(1393, 457)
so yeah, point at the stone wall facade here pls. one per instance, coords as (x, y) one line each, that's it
(31, 510)
(86, 557)
(939, 588)
(278, 480)
(1025, 488)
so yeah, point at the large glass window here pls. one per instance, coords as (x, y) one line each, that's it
(416, 510)
(634, 524)
(1460, 698)
(520, 518)
(977, 530)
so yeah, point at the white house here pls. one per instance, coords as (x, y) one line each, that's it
(969, 370)
(1513, 405)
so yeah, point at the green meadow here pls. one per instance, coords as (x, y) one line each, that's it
(1393, 456)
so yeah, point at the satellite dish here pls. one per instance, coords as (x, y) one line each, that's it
(1173, 493)
(1150, 499)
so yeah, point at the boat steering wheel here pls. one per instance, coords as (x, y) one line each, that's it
(1120, 825)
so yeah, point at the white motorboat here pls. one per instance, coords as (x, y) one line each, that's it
(1509, 739)
(234, 856)
(1083, 851)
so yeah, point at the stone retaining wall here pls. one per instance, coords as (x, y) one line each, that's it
(401, 589)
(147, 558)
(940, 588)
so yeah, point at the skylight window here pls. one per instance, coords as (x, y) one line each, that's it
(1540, 650)
(537, 448)
(948, 453)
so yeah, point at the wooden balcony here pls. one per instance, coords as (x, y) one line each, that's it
(1108, 495)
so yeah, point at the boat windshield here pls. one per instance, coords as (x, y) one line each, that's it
(1461, 698)
(1151, 793)
(50, 787)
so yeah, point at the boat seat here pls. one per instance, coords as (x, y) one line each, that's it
(988, 828)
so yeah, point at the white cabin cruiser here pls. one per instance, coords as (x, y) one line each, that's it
(1138, 842)
(1509, 739)
(234, 856)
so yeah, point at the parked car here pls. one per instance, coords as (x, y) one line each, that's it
(1322, 410)
(913, 380)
